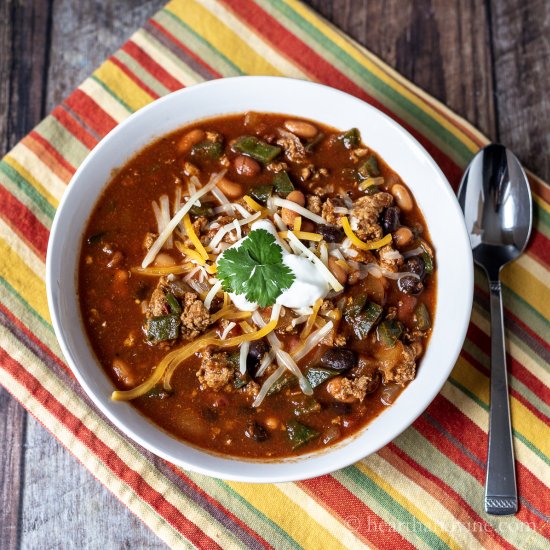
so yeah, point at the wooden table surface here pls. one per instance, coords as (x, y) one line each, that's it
(489, 60)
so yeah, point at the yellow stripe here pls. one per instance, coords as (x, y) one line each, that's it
(117, 487)
(222, 38)
(480, 417)
(528, 287)
(460, 537)
(118, 443)
(364, 59)
(19, 247)
(542, 203)
(106, 101)
(323, 516)
(524, 421)
(288, 515)
(9, 159)
(407, 504)
(23, 280)
(122, 86)
(254, 40)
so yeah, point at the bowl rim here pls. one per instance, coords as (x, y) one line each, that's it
(53, 302)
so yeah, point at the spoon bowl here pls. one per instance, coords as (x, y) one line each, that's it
(496, 200)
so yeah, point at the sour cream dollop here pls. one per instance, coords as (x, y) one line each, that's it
(309, 285)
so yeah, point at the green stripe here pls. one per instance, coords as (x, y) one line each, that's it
(413, 444)
(145, 76)
(485, 407)
(111, 93)
(541, 218)
(63, 141)
(358, 483)
(246, 512)
(188, 36)
(398, 104)
(482, 358)
(37, 199)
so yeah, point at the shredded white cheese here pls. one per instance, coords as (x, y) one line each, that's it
(227, 330)
(284, 203)
(211, 294)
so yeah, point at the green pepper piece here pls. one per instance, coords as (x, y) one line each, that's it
(282, 382)
(317, 375)
(205, 210)
(307, 405)
(175, 306)
(369, 169)
(353, 307)
(428, 262)
(282, 184)
(351, 138)
(165, 327)
(241, 380)
(388, 332)
(158, 392)
(421, 318)
(207, 150)
(94, 239)
(366, 319)
(256, 148)
(299, 434)
(312, 143)
(260, 193)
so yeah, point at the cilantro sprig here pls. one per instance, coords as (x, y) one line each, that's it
(255, 269)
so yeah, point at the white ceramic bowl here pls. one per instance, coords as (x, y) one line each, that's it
(304, 99)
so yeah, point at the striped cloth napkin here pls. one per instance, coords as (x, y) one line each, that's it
(425, 489)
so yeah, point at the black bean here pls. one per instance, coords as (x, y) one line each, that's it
(410, 285)
(340, 408)
(339, 359)
(415, 265)
(258, 348)
(390, 219)
(331, 233)
(256, 431)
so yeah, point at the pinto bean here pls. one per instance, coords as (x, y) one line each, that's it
(230, 188)
(338, 271)
(301, 128)
(297, 197)
(246, 166)
(188, 140)
(402, 237)
(288, 215)
(402, 197)
(164, 260)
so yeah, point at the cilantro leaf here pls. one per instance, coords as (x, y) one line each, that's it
(255, 269)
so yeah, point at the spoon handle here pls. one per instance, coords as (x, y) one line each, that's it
(500, 485)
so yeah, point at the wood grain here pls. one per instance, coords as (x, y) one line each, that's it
(486, 59)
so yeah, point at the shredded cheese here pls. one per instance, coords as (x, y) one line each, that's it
(156, 271)
(302, 235)
(362, 244)
(297, 224)
(212, 292)
(284, 203)
(216, 240)
(228, 329)
(190, 253)
(329, 277)
(245, 327)
(311, 319)
(190, 230)
(253, 204)
(167, 232)
(243, 355)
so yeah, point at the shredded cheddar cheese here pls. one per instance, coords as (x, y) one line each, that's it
(373, 245)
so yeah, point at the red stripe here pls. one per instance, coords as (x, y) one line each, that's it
(31, 336)
(302, 55)
(518, 371)
(74, 127)
(467, 515)
(218, 505)
(107, 455)
(184, 48)
(474, 442)
(539, 246)
(24, 223)
(150, 65)
(353, 513)
(132, 76)
(49, 149)
(90, 112)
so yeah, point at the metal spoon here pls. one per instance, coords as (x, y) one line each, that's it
(496, 200)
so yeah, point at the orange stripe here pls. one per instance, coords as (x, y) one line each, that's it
(51, 158)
